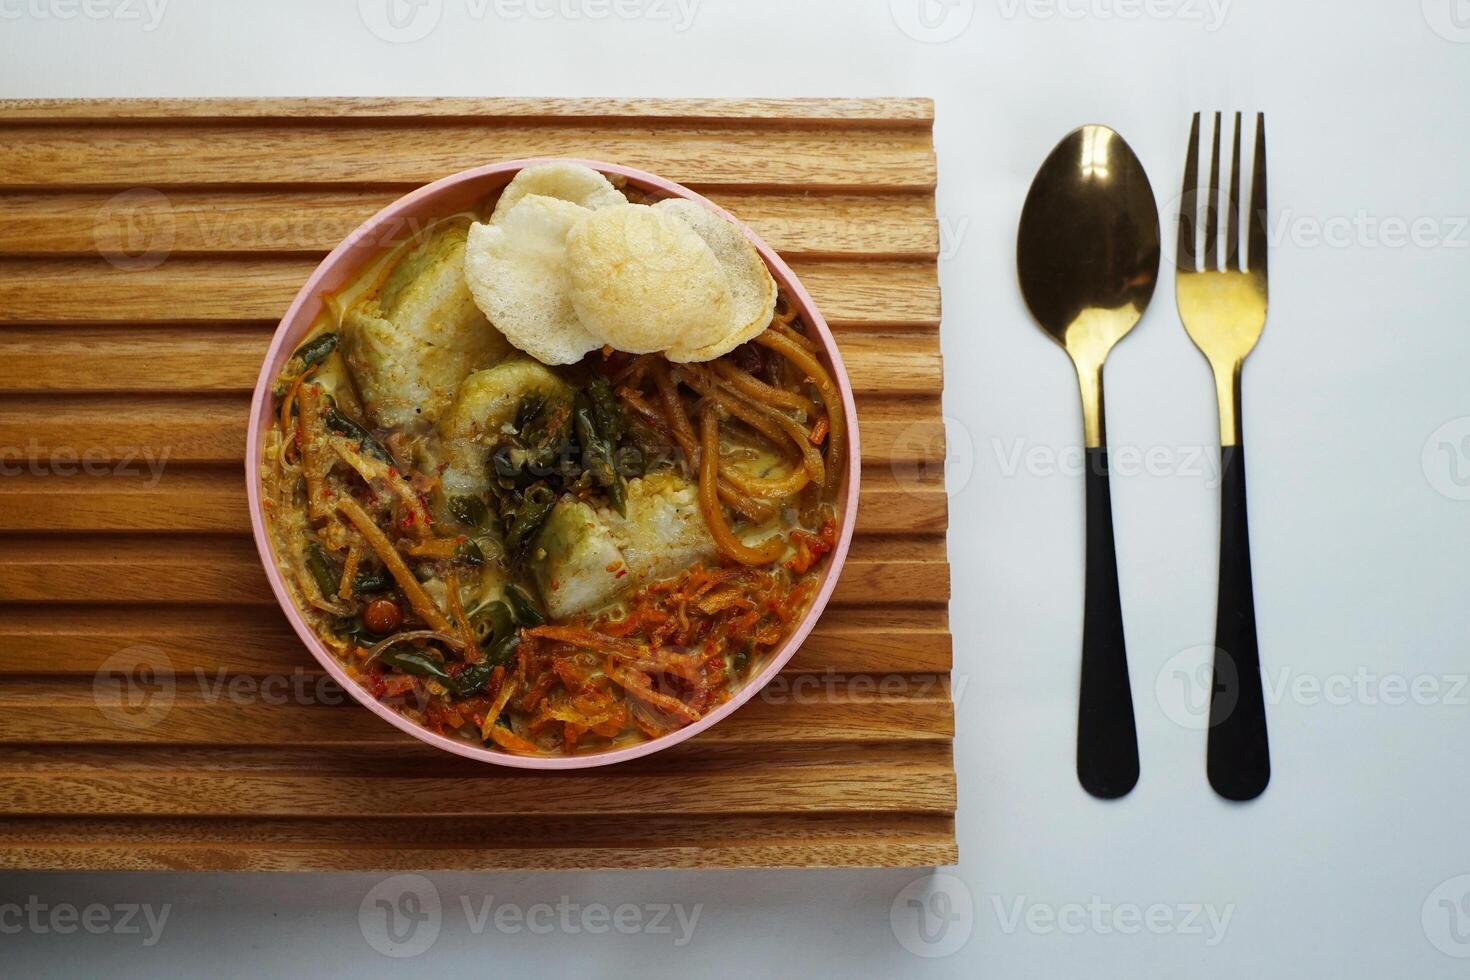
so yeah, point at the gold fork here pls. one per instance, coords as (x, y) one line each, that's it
(1223, 305)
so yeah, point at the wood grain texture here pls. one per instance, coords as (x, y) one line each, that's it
(906, 113)
(64, 222)
(156, 710)
(852, 294)
(452, 843)
(210, 708)
(371, 151)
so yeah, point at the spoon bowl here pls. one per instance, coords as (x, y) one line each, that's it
(1088, 253)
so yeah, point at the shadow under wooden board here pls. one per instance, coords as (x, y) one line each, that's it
(156, 711)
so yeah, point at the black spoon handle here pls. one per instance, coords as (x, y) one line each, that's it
(1239, 756)
(1107, 739)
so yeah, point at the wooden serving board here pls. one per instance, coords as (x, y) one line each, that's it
(156, 711)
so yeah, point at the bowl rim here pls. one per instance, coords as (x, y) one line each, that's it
(359, 247)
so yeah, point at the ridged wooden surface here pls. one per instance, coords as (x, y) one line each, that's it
(149, 248)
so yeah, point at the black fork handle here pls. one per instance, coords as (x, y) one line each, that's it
(1239, 756)
(1107, 736)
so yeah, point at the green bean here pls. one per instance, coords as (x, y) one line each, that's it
(548, 459)
(617, 494)
(471, 680)
(370, 582)
(522, 466)
(741, 660)
(497, 616)
(611, 422)
(467, 683)
(506, 462)
(352, 628)
(526, 610)
(630, 462)
(344, 426)
(324, 571)
(416, 662)
(501, 653)
(316, 350)
(529, 410)
(470, 511)
(469, 552)
(597, 455)
(531, 513)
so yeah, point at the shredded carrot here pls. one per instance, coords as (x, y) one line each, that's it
(391, 560)
(396, 684)
(502, 698)
(370, 469)
(313, 466)
(437, 548)
(511, 742)
(286, 403)
(722, 600)
(643, 716)
(543, 684)
(349, 571)
(682, 665)
(638, 686)
(585, 638)
(456, 612)
(811, 547)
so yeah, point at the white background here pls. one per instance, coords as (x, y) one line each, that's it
(1358, 541)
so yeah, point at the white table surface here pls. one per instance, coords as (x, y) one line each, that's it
(1350, 864)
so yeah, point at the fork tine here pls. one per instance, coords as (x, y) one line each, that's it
(1233, 244)
(1257, 256)
(1185, 257)
(1212, 205)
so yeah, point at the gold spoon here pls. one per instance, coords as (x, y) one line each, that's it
(1088, 258)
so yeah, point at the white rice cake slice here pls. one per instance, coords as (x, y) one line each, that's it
(576, 561)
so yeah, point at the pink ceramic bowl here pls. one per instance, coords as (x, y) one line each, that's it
(460, 191)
